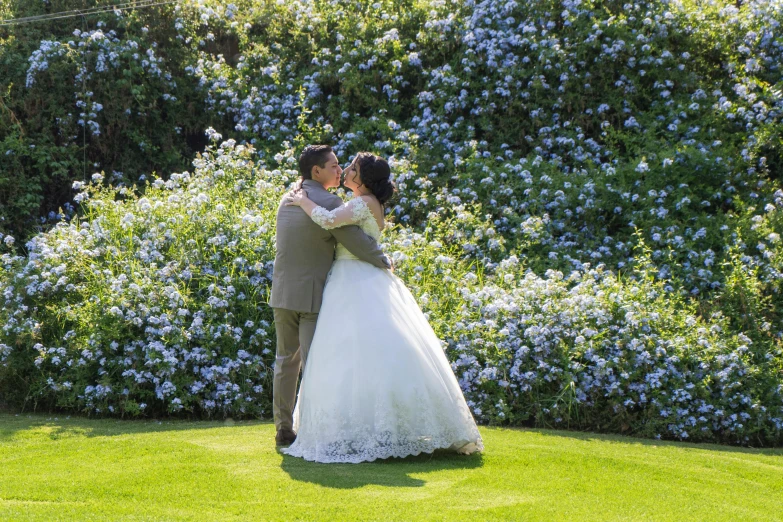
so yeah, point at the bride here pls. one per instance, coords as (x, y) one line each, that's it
(377, 383)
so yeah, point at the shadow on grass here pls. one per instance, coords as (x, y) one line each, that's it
(387, 472)
(393, 472)
(58, 426)
(611, 438)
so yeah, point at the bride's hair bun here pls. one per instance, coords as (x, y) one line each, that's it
(375, 174)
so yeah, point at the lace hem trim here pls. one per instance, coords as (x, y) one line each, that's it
(398, 451)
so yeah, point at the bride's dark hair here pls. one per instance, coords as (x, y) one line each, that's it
(375, 174)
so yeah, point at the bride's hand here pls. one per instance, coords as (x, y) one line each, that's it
(295, 198)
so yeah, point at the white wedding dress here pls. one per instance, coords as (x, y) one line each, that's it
(376, 383)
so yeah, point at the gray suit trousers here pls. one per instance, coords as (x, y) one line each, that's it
(295, 332)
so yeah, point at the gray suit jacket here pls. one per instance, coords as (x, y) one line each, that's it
(305, 252)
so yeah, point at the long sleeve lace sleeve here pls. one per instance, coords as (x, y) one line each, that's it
(349, 214)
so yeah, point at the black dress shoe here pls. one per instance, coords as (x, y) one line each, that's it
(285, 437)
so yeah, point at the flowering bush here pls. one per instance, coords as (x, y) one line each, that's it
(589, 209)
(80, 95)
(157, 304)
(154, 302)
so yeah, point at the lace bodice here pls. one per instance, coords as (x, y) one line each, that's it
(355, 212)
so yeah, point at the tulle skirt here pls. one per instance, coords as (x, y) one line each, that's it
(376, 383)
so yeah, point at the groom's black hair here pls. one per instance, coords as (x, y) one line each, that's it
(311, 156)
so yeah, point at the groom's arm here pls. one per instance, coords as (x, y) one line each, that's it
(354, 239)
(361, 245)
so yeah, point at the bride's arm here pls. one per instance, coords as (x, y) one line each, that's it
(327, 219)
(340, 222)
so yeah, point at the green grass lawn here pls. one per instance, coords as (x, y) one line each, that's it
(53, 468)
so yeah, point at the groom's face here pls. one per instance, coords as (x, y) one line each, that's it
(329, 174)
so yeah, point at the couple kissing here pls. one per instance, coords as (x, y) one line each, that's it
(375, 380)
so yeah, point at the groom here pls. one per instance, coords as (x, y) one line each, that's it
(305, 252)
